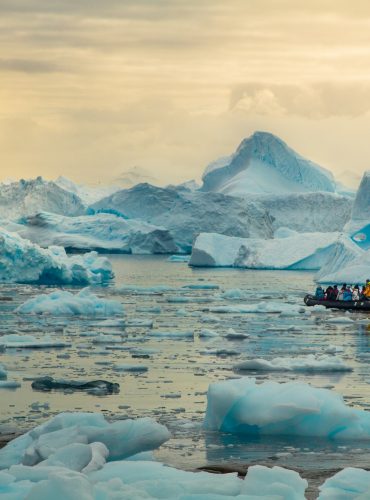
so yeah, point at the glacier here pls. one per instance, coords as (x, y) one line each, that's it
(63, 303)
(24, 262)
(263, 163)
(296, 251)
(102, 232)
(244, 407)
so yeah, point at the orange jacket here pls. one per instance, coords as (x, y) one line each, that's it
(367, 291)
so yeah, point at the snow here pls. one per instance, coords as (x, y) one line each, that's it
(28, 197)
(299, 251)
(308, 363)
(63, 303)
(244, 407)
(102, 231)
(350, 483)
(24, 262)
(186, 213)
(263, 163)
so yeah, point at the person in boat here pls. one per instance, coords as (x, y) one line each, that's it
(335, 292)
(341, 292)
(347, 294)
(330, 294)
(356, 293)
(319, 294)
(366, 290)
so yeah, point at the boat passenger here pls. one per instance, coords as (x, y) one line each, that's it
(356, 293)
(366, 291)
(335, 292)
(341, 292)
(319, 294)
(347, 294)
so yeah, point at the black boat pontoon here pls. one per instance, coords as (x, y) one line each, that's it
(354, 305)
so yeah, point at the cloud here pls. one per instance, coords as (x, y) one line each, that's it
(316, 100)
(28, 66)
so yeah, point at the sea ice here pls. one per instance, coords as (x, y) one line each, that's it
(63, 303)
(350, 483)
(17, 341)
(244, 407)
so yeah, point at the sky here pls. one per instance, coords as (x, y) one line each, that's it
(91, 88)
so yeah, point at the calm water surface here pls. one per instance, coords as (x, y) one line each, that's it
(173, 390)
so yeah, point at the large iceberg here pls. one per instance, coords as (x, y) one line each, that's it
(24, 262)
(63, 303)
(185, 213)
(87, 194)
(263, 163)
(29, 197)
(296, 251)
(101, 231)
(244, 407)
(361, 207)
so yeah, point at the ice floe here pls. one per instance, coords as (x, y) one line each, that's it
(308, 363)
(63, 303)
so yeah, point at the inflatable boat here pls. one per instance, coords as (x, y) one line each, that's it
(355, 305)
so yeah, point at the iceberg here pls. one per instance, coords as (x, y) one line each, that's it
(63, 303)
(244, 407)
(350, 483)
(17, 341)
(87, 194)
(186, 213)
(24, 262)
(103, 232)
(299, 251)
(28, 197)
(361, 207)
(310, 363)
(263, 163)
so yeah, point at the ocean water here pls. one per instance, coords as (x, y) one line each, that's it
(173, 389)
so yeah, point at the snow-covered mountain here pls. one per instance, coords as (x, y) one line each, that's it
(135, 175)
(264, 164)
(28, 197)
(186, 213)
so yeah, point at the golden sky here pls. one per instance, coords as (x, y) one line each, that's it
(91, 88)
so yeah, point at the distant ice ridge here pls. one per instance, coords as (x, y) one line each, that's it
(244, 407)
(21, 198)
(185, 213)
(263, 163)
(24, 262)
(295, 251)
(62, 303)
(104, 232)
(87, 194)
(80, 456)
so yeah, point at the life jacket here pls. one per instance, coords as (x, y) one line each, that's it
(366, 292)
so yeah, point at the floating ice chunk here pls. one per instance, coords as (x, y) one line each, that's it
(233, 335)
(171, 334)
(122, 438)
(349, 483)
(16, 341)
(260, 308)
(49, 383)
(63, 303)
(178, 299)
(3, 372)
(340, 320)
(131, 368)
(111, 323)
(26, 262)
(107, 339)
(308, 363)
(203, 286)
(205, 333)
(140, 323)
(65, 484)
(272, 483)
(9, 384)
(143, 290)
(178, 258)
(236, 294)
(242, 406)
(76, 456)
